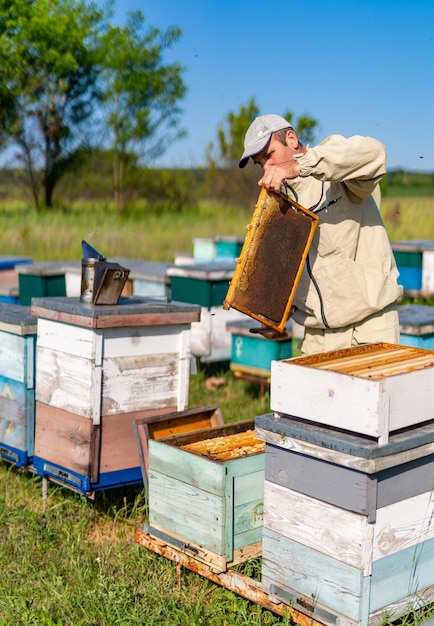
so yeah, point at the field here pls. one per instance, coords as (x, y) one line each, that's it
(68, 561)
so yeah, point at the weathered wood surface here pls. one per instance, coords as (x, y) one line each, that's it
(118, 445)
(344, 535)
(17, 413)
(17, 357)
(345, 487)
(336, 388)
(360, 463)
(216, 504)
(234, 581)
(172, 424)
(341, 588)
(130, 311)
(66, 439)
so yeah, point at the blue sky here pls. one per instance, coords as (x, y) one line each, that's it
(362, 67)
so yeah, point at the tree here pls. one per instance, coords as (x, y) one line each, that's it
(230, 134)
(49, 66)
(140, 94)
(224, 178)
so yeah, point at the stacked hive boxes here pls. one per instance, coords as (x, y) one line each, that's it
(100, 368)
(17, 383)
(348, 498)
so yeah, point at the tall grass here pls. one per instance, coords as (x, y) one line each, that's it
(148, 235)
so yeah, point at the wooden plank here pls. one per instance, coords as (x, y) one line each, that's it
(401, 574)
(191, 512)
(322, 479)
(66, 382)
(16, 415)
(326, 581)
(118, 445)
(189, 468)
(76, 340)
(232, 580)
(64, 438)
(360, 463)
(404, 524)
(133, 383)
(168, 425)
(17, 357)
(328, 529)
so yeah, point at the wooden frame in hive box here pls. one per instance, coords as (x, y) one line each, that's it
(209, 500)
(171, 424)
(370, 390)
(271, 260)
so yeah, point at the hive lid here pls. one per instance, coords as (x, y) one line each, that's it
(271, 260)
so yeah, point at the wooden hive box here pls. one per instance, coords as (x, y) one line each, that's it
(206, 493)
(410, 260)
(100, 368)
(371, 390)
(253, 353)
(17, 383)
(171, 424)
(348, 530)
(416, 325)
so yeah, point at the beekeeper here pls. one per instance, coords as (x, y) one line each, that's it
(348, 291)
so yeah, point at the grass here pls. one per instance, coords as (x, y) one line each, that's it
(69, 561)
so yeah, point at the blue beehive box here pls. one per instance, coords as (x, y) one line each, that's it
(17, 383)
(416, 325)
(252, 353)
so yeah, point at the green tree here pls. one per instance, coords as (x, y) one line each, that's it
(225, 181)
(141, 95)
(48, 64)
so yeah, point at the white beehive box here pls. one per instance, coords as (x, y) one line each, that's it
(370, 390)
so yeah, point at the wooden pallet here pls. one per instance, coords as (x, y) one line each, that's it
(232, 580)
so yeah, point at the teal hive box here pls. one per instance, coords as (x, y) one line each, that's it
(205, 490)
(253, 353)
(201, 283)
(228, 248)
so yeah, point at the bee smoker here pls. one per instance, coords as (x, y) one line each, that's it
(101, 282)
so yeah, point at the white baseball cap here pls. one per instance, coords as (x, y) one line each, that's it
(259, 134)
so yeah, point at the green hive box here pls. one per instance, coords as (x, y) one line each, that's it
(215, 504)
(205, 284)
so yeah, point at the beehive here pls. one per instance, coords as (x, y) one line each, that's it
(371, 390)
(17, 383)
(348, 530)
(215, 479)
(252, 354)
(100, 368)
(416, 325)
